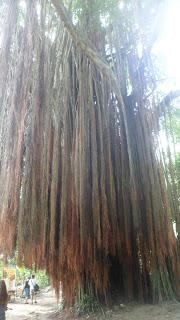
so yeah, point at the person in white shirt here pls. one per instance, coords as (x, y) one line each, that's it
(32, 284)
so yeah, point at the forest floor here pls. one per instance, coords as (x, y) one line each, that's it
(46, 308)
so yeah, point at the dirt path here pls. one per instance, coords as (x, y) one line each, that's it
(163, 311)
(44, 309)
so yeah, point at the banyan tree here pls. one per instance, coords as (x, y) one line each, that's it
(86, 190)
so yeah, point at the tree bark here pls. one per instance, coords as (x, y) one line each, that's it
(103, 67)
(85, 46)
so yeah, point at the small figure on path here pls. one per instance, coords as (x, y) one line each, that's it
(32, 284)
(3, 299)
(27, 290)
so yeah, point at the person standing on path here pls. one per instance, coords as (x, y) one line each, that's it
(3, 299)
(27, 290)
(32, 285)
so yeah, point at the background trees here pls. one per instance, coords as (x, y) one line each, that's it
(87, 189)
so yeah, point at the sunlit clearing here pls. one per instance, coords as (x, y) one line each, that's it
(174, 228)
(168, 45)
(22, 4)
(121, 5)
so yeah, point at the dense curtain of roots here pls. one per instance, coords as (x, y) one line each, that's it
(83, 189)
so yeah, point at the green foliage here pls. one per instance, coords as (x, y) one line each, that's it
(87, 304)
(177, 162)
(96, 8)
(41, 276)
(61, 305)
(175, 122)
(12, 261)
(1, 269)
(23, 273)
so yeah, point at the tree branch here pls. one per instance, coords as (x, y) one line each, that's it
(85, 46)
(166, 101)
